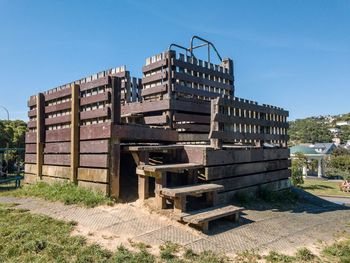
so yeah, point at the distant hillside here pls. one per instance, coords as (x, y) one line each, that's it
(316, 129)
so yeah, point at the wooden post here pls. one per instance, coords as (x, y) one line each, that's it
(114, 173)
(214, 125)
(161, 180)
(40, 133)
(143, 181)
(74, 140)
(180, 204)
(170, 54)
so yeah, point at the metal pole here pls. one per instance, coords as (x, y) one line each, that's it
(7, 144)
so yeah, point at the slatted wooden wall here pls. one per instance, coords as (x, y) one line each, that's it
(242, 121)
(70, 133)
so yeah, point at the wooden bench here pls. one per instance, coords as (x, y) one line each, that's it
(180, 193)
(174, 168)
(17, 179)
(204, 216)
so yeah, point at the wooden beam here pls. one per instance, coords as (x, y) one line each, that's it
(40, 134)
(74, 141)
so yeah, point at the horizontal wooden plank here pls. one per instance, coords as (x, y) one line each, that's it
(60, 135)
(95, 146)
(170, 167)
(30, 158)
(210, 214)
(32, 113)
(57, 147)
(193, 105)
(217, 172)
(94, 160)
(155, 77)
(58, 107)
(232, 156)
(145, 106)
(190, 127)
(153, 148)
(31, 124)
(95, 131)
(145, 134)
(251, 121)
(92, 114)
(30, 168)
(32, 101)
(52, 180)
(230, 135)
(30, 178)
(195, 91)
(97, 187)
(158, 119)
(95, 83)
(195, 118)
(30, 137)
(190, 190)
(30, 148)
(193, 67)
(58, 120)
(65, 92)
(93, 174)
(251, 180)
(57, 159)
(243, 104)
(56, 171)
(155, 65)
(154, 90)
(100, 97)
(200, 80)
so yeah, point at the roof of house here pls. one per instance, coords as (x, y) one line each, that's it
(326, 148)
(302, 149)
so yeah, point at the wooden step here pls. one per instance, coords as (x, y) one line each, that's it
(190, 190)
(204, 216)
(153, 148)
(177, 167)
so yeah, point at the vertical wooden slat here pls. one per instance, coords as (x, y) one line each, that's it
(40, 139)
(214, 125)
(74, 162)
(114, 175)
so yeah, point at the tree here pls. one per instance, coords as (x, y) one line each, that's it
(309, 131)
(298, 162)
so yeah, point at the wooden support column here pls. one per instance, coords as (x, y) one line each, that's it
(214, 125)
(170, 113)
(74, 140)
(180, 204)
(114, 173)
(40, 133)
(161, 180)
(212, 198)
(143, 181)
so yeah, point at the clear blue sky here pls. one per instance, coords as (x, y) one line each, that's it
(294, 54)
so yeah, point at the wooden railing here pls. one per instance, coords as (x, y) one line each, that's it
(235, 120)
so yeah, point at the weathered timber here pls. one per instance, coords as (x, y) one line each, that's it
(93, 174)
(145, 106)
(92, 114)
(252, 179)
(58, 120)
(135, 132)
(40, 134)
(30, 168)
(195, 118)
(30, 148)
(57, 147)
(190, 190)
(95, 83)
(58, 107)
(160, 119)
(30, 158)
(30, 137)
(153, 148)
(154, 90)
(93, 160)
(217, 172)
(95, 146)
(74, 154)
(210, 214)
(232, 156)
(56, 171)
(57, 159)
(30, 178)
(100, 97)
(95, 131)
(61, 135)
(177, 167)
(66, 92)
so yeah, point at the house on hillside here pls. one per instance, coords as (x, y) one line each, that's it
(342, 123)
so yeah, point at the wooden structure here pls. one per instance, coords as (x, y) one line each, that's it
(192, 142)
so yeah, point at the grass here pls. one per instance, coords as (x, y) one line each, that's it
(26, 237)
(323, 187)
(65, 192)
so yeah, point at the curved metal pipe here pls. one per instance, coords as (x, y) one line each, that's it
(208, 43)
